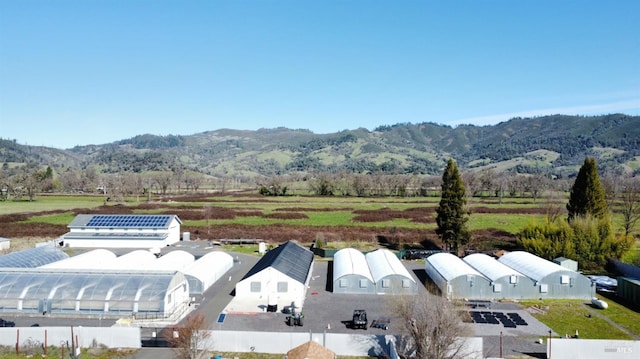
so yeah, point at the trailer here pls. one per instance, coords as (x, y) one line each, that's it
(382, 323)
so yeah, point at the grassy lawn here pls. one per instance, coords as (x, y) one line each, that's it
(50, 203)
(512, 223)
(564, 317)
(628, 318)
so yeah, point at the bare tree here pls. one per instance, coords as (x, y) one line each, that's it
(361, 185)
(612, 187)
(535, 184)
(630, 202)
(472, 183)
(163, 181)
(189, 339)
(432, 328)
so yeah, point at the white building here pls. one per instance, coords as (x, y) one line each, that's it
(281, 277)
(122, 231)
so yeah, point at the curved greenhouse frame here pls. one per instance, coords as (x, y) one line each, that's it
(159, 294)
(205, 271)
(389, 274)
(32, 258)
(351, 272)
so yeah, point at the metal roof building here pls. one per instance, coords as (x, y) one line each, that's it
(122, 231)
(280, 277)
(551, 280)
(456, 279)
(351, 272)
(389, 274)
(506, 282)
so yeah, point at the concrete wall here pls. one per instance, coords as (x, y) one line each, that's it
(592, 349)
(275, 343)
(112, 337)
(341, 344)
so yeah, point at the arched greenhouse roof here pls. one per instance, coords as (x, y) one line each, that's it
(138, 259)
(383, 263)
(86, 290)
(490, 267)
(202, 273)
(96, 258)
(350, 261)
(531, 265)
(174, 260)
(34, 257)
(450, 266)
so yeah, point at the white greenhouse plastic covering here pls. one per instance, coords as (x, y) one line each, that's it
(138, 259)
(450, 266)
(383, 262)
(96, 258)
(37, 290)
(490, 267)
(174, 260)
(456, 279)
(531, 265)
(351, 272)
(205, 271)
(389, 274)
(349, 261)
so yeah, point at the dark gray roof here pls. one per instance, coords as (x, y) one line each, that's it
(123, 221)
(289, 258)
(31, 258)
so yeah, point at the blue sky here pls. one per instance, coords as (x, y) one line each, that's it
(92, 72)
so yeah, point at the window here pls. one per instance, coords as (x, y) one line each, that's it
(256, 287)
(513, 279)
(283, 287)
(564, 279)
(497, 288)
(363, 283)
(342, 283)
(544, 288)
(406, 283)
(386, 283)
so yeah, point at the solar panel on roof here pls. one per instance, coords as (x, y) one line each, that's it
(128, 221)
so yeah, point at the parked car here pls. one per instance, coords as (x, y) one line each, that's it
(6, 323)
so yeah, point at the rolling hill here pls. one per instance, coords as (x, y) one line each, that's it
(554, 144)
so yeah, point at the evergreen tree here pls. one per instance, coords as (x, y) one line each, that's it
(452, 215)
(587, 194)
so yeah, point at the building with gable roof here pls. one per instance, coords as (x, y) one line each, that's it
(280, 277)
(122, 231)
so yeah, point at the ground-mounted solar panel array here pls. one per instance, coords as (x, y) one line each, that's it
(508, 320)
(137, 221)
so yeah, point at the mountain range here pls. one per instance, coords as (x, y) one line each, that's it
(555, 145)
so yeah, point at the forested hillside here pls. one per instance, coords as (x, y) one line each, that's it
(554, 145)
